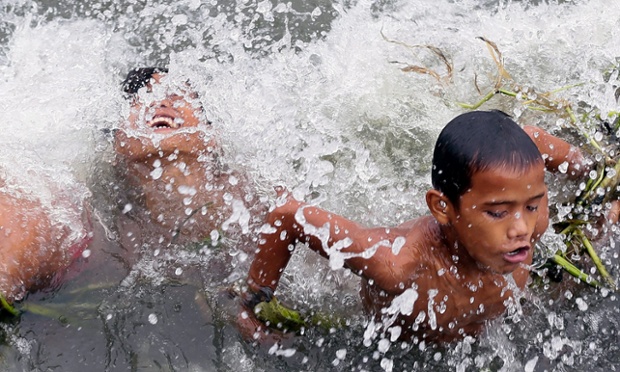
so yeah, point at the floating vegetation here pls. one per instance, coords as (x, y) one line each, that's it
(601, 188)
(443, 78)
(274, 314)
(281, 317)
(4, 304)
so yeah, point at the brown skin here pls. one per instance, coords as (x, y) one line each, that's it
(556, 151)
(190, 176)
(33, 251)
(455, 259)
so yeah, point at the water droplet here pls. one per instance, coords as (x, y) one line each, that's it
(593, 174)
(563, 168)
(179, 20)
(128, 207)
(156, 173)
(610, 172)
(153, 319)
(384, 345)
(387, 364)
(598, 136)
(581, 304)
(399, 242)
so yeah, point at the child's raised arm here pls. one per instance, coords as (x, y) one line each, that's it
(556, 151)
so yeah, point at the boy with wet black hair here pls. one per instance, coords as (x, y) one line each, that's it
(438, 277)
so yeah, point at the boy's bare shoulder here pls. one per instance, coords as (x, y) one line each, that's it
(418, 250)
(422, 233)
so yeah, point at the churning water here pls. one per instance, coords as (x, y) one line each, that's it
(310, 94)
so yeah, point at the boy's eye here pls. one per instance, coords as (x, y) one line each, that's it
(532, 208)
(496, 214)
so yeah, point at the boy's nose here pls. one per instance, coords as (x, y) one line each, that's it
(519, 227)
(166, 102)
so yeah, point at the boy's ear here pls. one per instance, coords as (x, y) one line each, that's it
(439, 205)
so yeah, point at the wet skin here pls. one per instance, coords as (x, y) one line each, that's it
(34, 250)
(499, 218)
(176, 170)
(156, 118)
(455, 260)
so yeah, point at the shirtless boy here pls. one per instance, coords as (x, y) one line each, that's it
(438, 277)
(170, 156)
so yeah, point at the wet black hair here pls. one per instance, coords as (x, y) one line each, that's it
(140, 77)
(478, 141)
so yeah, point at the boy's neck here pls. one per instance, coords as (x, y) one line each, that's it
(458, 255)
(182, 169)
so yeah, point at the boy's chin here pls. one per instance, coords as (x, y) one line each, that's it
(147, 146)
(501, 270)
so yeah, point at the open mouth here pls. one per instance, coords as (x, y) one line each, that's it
(159, 122)
(518, 255)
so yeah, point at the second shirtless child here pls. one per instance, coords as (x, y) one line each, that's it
(170, 156)
(439, 277)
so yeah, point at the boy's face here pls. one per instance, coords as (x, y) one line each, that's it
(501, 216)
(163, 118)
(164, 108)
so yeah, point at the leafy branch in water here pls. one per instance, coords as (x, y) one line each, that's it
(275, 314)
(599, 190)
(278, 316)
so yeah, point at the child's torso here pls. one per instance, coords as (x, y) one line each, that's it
(451, 301)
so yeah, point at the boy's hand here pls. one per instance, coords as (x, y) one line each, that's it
(250, 326)
(251, 298)
(603, 223)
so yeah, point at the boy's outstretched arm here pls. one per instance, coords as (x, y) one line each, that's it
(366, 251)
(557, 151)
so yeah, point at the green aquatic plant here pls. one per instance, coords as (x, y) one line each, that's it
(275, 314)
(278, 316)
(7, 306)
